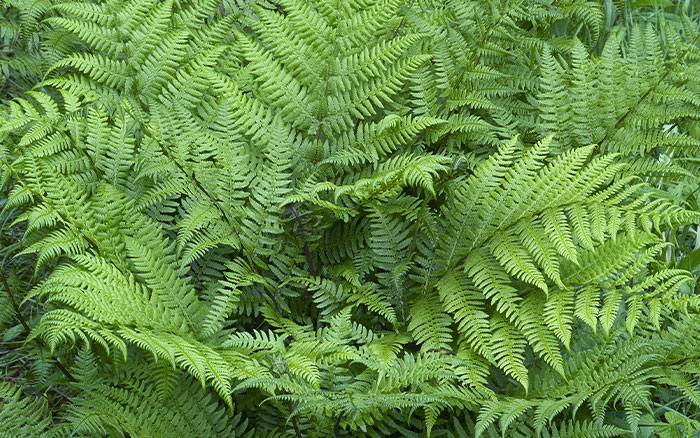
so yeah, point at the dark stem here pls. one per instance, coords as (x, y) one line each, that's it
(294, 420)
(307, 252)
(14, 39)
(443, 351)
(650, 90)
(201, 187)
(22, 321)
(273, 298)
(403, 20)
(336, 425)
(14, 303)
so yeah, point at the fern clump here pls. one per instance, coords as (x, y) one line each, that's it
(342, 218)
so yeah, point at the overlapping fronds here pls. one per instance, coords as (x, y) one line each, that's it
(341, 218)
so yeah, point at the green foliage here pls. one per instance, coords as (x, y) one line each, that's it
(360, 217)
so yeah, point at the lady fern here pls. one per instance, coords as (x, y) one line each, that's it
(344, 218)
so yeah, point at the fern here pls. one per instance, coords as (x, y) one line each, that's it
(334, 218)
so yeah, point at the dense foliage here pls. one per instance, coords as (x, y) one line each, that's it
(322, 218)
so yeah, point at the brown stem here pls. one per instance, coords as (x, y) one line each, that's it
(294, 420)
(273, 298)
(443, 351)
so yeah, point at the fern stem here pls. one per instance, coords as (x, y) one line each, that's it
(297, 432)
(307, 252)
(89, 239)
(11, 294)
(403, 20)
(326, 81)
(336, 425)
(26, 328)
(14, 38)
(644, 96)
(485, 242)
(163, 149)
